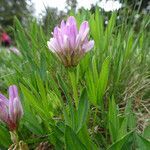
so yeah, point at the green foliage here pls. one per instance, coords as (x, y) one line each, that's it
(72, 141)
(142, 143)
(50, 19)
(5, 140)
(95, 105)
(120, 144)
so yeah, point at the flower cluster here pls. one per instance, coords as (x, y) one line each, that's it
(69, 43)
(11, 110)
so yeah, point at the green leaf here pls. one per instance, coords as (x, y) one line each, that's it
(74, 84)
(143, 144)
(86, 139)
(4, 137)
(32, 101)
(131, 118)
(72, 141)
(122, 129)
(95, 72)
(109, 30)
(118, 145)
(103, 79)
(113, 119)
(82, 110)
(91, 88)
(129, 45)
(146, 133)
(20, 37)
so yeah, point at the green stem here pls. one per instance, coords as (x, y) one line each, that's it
(74, 87)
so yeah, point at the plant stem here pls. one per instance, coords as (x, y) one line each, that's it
(74, 87)
(14, 137)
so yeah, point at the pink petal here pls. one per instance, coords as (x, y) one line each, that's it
(59, 39)
(84, 30)
(13, 99)
(84, 26)
(85, 34)
(13, 92)
(71, 20)
(4, 99)
(52, 45)
(78, 41)
(88, 46)
(11, 110)
(56, 31)
(72, 35)
(3, 111)
(18, 111)
(66, 42)
(62, 25)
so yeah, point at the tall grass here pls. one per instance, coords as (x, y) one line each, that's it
(103, 103)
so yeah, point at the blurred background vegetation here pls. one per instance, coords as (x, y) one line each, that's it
(24, 10)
